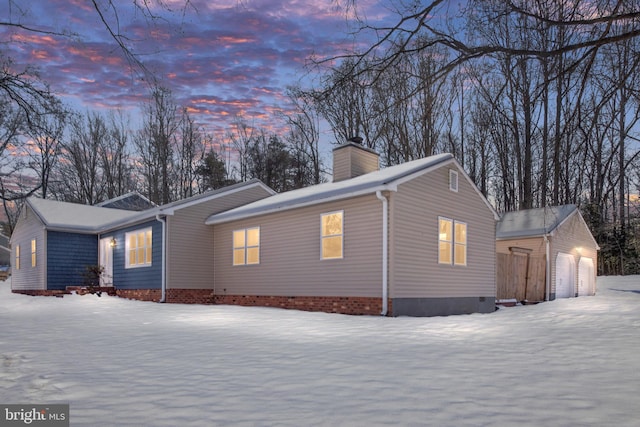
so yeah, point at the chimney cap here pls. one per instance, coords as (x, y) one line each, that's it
(357, 139)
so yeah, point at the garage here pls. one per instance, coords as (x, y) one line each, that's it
(586, 277)
(565, 275)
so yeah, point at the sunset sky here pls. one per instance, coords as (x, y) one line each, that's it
(220, 58)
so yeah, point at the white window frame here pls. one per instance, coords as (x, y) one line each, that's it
(453, 180)
(456, 244)
(450, 241)
(34, 257)
(245, 247)
(341, 235)
(127, 255)
(453, 242)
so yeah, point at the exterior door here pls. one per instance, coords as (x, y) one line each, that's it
(565, 276)
(106, 261)
(586, 277)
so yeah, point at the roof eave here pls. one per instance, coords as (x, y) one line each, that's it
(221, 219)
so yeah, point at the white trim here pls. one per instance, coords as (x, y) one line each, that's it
(34, 252)
(341, 235)
(105, 253)
(451, 251)
(453, 243)
(127, 248)
(163, 275)
(453, 180)
(245, 248)
(466, 243)
(385, 253)
(17, 258)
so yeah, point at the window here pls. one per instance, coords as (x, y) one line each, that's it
(453, 180)
(33, 252)
(460, 246)
(139, 248)
(452, 242)
(246, 246)
(18, 257)
(331, 235)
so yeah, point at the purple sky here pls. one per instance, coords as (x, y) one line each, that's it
(221, 58)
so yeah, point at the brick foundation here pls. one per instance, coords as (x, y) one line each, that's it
(190, 296)
(342, 305)
(82, 290)
(41, 293)
(140, 294)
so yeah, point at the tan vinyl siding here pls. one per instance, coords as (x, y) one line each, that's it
(350, 161)
(290, 263)
(29, 227)
(190, 241)
(416, 207)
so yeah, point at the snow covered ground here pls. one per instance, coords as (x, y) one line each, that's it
(573, 362)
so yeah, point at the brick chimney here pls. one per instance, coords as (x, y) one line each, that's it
(353, 159)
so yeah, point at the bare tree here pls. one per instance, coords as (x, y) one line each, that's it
(241, 137)
(155, 144)
(189, 153)
(44, 133)
(78, 175)
(304, 139)
(425, 22)
(115, 157)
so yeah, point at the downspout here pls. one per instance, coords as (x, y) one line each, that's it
(548, 268)
(163, 280)
(385, 252)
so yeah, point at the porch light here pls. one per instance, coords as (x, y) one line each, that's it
(112, 243)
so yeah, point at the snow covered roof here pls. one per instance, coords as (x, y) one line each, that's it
(75, 217)
(64, 216)
(533, 222)
(384, 179)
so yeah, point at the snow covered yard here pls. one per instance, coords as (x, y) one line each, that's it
(573, 362)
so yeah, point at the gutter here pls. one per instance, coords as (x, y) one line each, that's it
(385, 252)
(163, 221)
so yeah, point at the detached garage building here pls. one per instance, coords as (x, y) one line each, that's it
(560, 235)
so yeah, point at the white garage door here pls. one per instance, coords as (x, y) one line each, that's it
(565, 276)
(586, 277)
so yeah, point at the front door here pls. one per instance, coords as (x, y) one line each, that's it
(106, 261)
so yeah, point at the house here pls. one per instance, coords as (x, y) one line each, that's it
(560, 235)
(414, 239)
(158, 254)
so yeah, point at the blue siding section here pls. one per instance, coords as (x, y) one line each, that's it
(141, 277)
(68, 255)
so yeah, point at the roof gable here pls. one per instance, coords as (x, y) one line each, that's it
(533, 222)
(384, 179)
(133, 201)
(75, 217)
